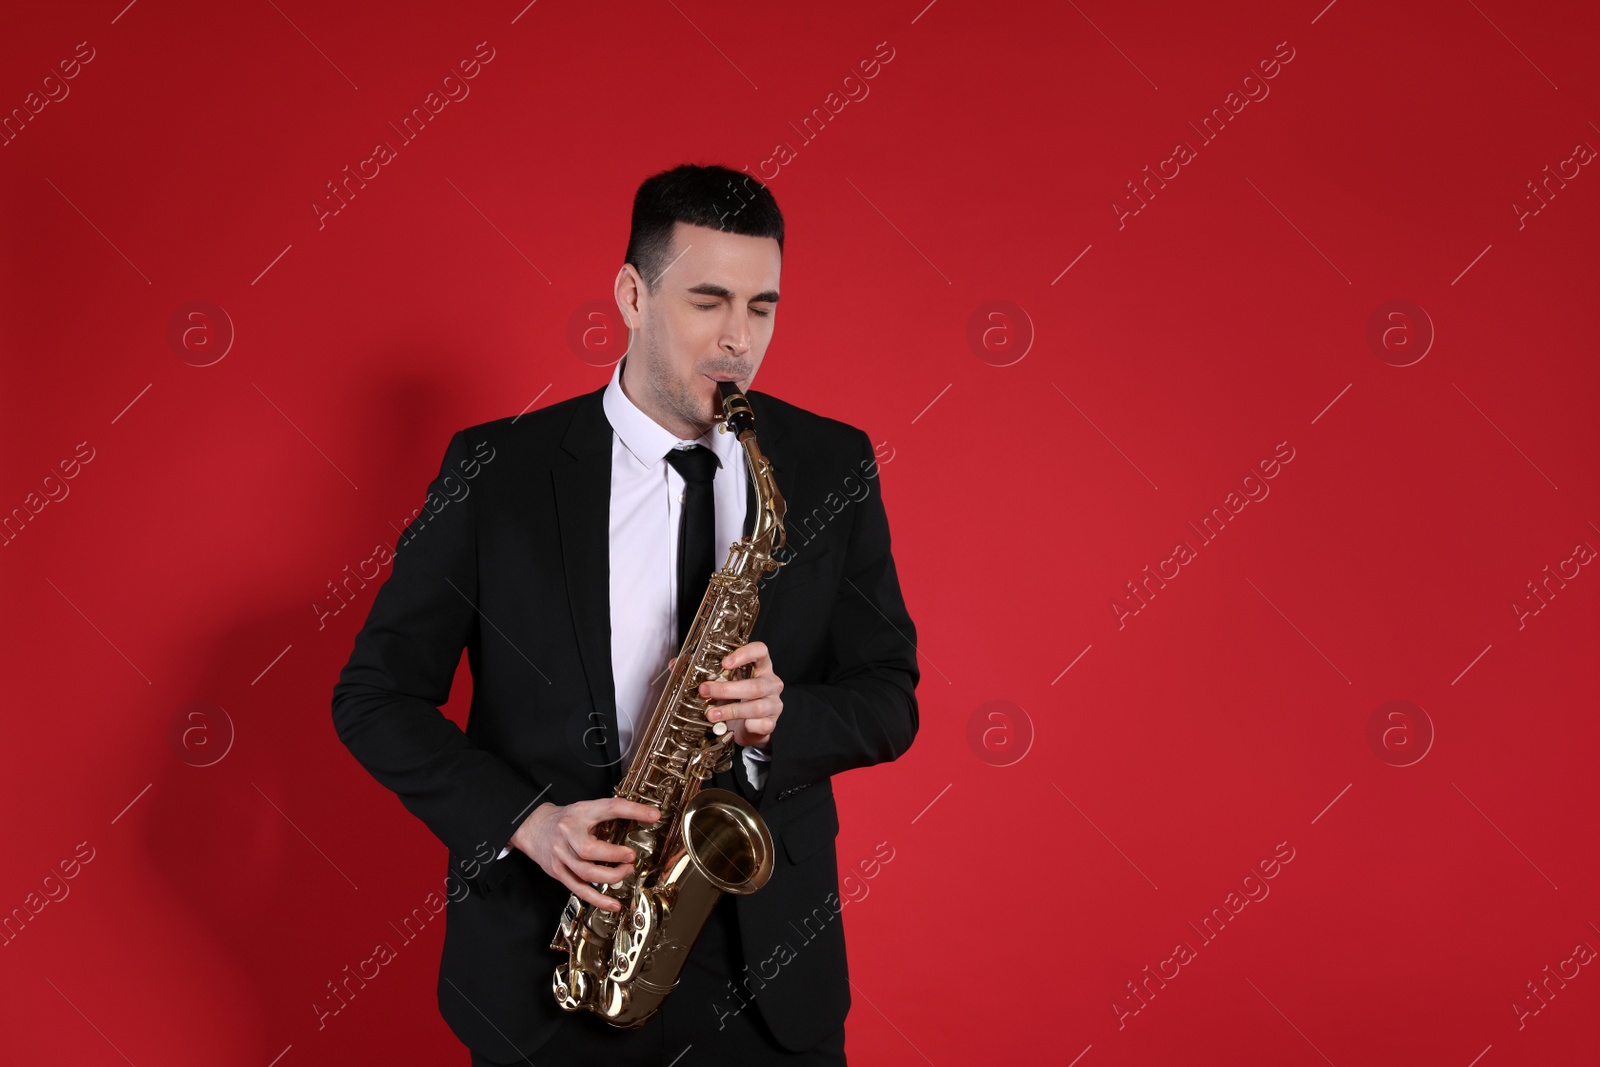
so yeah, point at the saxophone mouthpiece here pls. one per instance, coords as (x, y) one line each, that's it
(736, 414)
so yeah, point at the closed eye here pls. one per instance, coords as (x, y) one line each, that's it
(710, 307)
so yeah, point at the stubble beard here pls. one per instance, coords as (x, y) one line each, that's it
(669, 395)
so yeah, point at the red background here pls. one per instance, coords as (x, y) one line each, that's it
(1181, 747)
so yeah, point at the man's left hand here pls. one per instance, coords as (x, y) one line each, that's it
(753, 703)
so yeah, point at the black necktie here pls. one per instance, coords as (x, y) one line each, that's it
(696, 537)
(696, 531)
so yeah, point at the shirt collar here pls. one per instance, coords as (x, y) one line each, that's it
(647, 440)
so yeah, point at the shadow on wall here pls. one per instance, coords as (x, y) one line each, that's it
(288, 862)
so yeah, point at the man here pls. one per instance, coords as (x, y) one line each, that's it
(549, 548)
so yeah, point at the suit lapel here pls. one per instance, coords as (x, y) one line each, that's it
(582, 477)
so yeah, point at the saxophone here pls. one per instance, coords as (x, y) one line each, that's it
(621, 965)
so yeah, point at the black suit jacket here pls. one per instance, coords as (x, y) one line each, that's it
(510, 560)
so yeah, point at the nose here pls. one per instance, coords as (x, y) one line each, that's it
(737, 340)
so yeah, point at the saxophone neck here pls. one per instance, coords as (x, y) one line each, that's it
(767, 532)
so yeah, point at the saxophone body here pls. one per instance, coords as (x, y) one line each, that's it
(622, 965)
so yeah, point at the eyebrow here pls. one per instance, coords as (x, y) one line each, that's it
(709, 289)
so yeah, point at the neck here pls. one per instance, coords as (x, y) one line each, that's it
(684, 431)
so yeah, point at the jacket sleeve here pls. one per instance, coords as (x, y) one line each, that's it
(864, 711)
(387, 699)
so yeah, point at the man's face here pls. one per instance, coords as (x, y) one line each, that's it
(711, 317)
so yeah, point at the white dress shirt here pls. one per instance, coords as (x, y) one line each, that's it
(646, 503)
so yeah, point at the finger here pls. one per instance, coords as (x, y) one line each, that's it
(593, 870)
(753, 652)
(738, 689)
(760, 708)
(617, 808)
(592, 813)
(596, 851)
(588, 893)
(596, 872)
(749, 735)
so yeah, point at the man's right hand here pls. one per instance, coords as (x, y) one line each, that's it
(560, 839)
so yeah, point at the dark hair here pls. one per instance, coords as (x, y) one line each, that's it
(714, 197)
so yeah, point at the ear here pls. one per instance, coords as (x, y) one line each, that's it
(630, 293)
